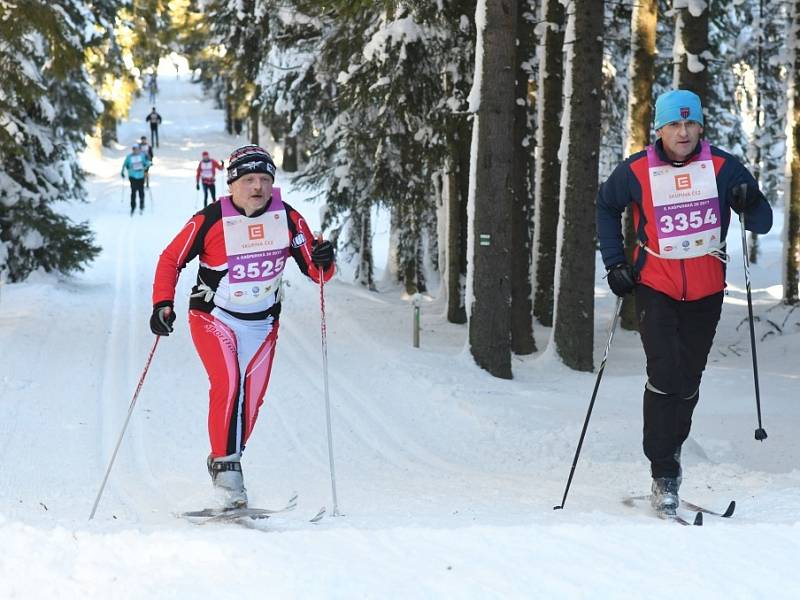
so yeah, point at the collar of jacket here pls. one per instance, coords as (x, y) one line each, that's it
(659, 146)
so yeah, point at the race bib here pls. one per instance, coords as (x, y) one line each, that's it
(685, 205)
(206, 170)
(257, 250)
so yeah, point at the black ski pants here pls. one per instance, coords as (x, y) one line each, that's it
(209, 187)
(154, 135)
(677, 338)
(137, 187)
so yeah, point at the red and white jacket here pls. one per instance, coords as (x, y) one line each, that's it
(203, 237)
(207, 171)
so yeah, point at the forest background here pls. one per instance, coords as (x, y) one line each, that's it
(483, 127)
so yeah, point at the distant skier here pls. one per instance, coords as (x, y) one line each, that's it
(147, 150)
(681, 190)
(207, 173)
(136, 164)
(152, 88)
(155, 120)
(235, 304)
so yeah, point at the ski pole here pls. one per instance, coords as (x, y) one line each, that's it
(761, 433)
(324, 336)
(613, 327)
(124, 427)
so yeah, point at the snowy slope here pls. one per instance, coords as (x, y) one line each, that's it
(446, 476)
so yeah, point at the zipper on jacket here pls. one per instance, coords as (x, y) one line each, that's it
(683, 276)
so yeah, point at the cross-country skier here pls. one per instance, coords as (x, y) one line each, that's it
(136, 164)
(154, 119)
(243, 242)
(152, 87)
(147, 150)
(207, 173)
(681, 190)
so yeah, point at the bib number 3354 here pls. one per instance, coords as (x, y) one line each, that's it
(685, 221)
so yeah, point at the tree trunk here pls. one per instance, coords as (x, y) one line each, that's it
(691, 43)
(522, 341)
(229, 108)
(490, 197)
(362, 230)
(457, 196)
(254, 116)
(573, 323)
(641, 73)
(791, 273)
(548, 170)
(289, 163)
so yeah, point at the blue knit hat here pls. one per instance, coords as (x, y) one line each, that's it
(677, 105)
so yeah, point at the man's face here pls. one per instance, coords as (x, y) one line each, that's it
(680, 138)
(252, 191)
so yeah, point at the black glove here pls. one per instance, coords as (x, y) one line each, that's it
(161, 323)
(198, 186)
(322, 254)
(621, 279)
(743, 197)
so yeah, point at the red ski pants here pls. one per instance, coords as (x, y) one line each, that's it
(237, 356)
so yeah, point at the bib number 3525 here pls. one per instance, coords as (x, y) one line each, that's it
(684, 221)
(258, 269)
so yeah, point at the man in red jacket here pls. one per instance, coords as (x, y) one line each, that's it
(243, 242)
(682, 190)
(207, 173)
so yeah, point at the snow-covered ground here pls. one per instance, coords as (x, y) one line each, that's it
(446, 476)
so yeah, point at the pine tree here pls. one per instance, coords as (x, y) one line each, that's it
(641, 74)
(46, 110)
(490, 193)
(458, 63)
(573, 326)
(522, 341)
(691, 51)
(548, 168)
(242, 29)
(791, 252)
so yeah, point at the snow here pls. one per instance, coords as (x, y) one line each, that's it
(696, 7)
(446, 476)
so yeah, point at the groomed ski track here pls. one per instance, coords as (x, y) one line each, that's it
(446, 476)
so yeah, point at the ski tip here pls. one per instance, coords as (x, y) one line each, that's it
(318, 517)
(729, 511)
(698, 519)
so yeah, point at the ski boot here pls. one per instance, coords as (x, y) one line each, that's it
(226, 475)
(664, 498)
